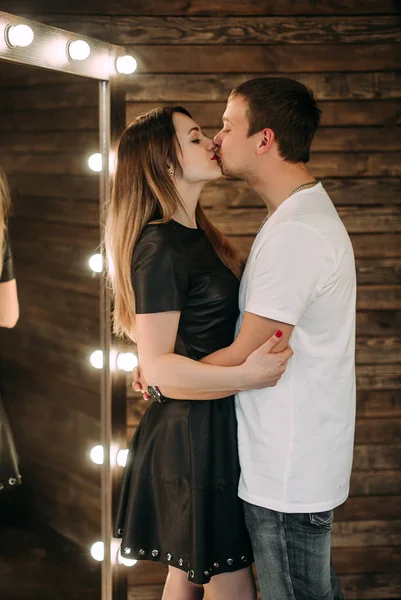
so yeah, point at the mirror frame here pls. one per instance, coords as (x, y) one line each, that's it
(49, 51)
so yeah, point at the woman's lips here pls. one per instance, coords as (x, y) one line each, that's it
(215, 157)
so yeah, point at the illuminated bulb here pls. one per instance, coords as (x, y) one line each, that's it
(96, 359)
(126, 65)
(122, 456)
(97, 551)
(95, 162)
(127, 361)
(128, 562)
(96, 263)
(78, 50)
(97, 455)
(19, 35)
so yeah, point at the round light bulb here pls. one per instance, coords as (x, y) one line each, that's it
(19, 35)
(126, 65)
(97, 455)
(78, 50)
(128, 562)
(97, 551)
(95, 162)
(127, 361)
(96, 263)
(122, 456)
(96, 359)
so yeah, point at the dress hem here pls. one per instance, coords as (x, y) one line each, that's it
(192, 576)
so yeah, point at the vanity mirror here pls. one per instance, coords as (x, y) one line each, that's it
(61, 104)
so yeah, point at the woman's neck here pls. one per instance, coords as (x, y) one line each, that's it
(186, 213)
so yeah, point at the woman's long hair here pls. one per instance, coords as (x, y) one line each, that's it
(142, 188)
(5, 203)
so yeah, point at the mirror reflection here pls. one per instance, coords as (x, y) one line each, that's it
(49, 420)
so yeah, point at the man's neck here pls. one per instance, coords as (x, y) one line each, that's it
(277, 184)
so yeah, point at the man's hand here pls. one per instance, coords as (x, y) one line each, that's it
(139, 384)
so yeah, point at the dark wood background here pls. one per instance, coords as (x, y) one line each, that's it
(193, 53)
(48, 125)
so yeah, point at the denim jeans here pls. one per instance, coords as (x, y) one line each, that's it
(292, 554)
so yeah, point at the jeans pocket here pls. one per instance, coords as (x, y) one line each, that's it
(322, 519)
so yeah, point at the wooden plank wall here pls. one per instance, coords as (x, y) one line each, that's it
(193, 53)
(48, 125)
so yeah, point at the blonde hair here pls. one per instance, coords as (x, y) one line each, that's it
(141, 187)
(5, 203)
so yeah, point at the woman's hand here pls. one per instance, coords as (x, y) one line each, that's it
(264, 368)
(139, 384)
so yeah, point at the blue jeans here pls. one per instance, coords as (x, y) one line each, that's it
(292, 554)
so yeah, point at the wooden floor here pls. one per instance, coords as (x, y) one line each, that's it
(37, 563)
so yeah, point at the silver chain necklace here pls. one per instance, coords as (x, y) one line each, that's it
(292, 193)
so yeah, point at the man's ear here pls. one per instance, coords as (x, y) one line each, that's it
(265, 141)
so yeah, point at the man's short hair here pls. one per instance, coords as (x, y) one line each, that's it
(288, 108)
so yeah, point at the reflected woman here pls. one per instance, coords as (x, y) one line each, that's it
(9, 313)
(175, 280)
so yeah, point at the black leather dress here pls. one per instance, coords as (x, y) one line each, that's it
(179, 502)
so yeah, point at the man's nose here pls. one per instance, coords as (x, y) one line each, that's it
(216, 140)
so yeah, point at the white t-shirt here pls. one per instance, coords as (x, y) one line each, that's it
(296, 439)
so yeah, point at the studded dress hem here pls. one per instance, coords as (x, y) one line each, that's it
(179, 503)
(229, 566)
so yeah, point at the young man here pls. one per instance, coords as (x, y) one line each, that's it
(295, 439)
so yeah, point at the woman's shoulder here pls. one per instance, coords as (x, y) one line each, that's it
(158, 235)
(158, 240)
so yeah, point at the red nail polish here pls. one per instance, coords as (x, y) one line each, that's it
(279, 333)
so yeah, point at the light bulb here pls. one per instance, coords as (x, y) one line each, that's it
(127, 361)
(97, 455)
(97, 551)
(126, 65)
(95, 162)
(19, 35)
(96, 359)
(96, 263)
(122, 456)
(78, 50)
(128, 562)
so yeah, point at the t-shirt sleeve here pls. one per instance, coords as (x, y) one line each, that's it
(159, 277)
(7, 273)
(287, 273)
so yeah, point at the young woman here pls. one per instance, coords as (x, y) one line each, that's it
(9, 313)
(175, 280)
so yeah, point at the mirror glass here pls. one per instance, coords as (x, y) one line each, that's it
(49, 388)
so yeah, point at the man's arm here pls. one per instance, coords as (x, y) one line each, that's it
(255, 330)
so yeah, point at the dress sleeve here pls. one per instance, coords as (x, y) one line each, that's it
(159, 276)
(7, 273)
